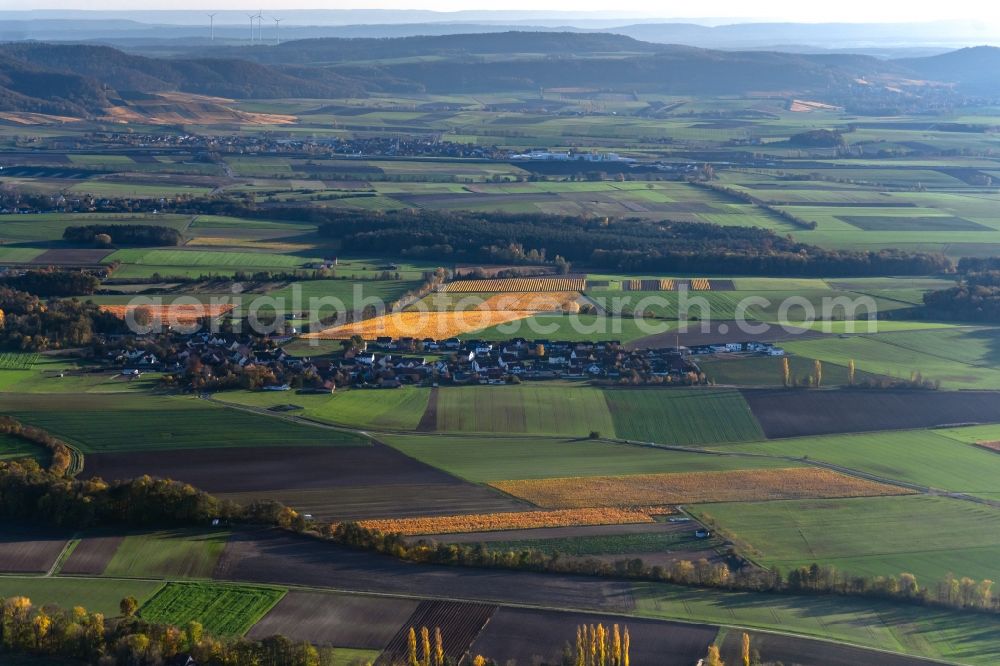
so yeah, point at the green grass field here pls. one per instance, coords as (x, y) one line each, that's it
(575, 328)
(143, 422)
(923, 457)
(330, 296)
(484, 459)
(540, 409)
(965, 638)
(682, 416)
(168, 554)
(223, 610)
(957, 357)
(13, 448)
(876, 536)
(398, 409)
(767, 370)
(102, 596)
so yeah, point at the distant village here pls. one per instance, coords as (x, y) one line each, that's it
(207, 361)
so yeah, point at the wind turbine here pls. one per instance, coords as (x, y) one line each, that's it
(211, 25)
(277, 30)
(260, 25)
(252, 17)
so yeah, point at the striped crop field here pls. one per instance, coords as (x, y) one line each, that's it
(516, 284)
(517, 520)
(693, 488)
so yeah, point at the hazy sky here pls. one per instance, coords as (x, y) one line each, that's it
(787, 10)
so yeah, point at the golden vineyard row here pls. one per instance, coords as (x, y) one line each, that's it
(492, 522)
(181, 313)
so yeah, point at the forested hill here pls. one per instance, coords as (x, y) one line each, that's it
(328, 50)
(28, 88)
(76, 79)
(975, 70)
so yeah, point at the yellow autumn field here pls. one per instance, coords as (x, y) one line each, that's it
(437, 325)
(492, 522)
(693, 487)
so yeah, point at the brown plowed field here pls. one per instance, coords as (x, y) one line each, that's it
(783, 413)
(29, 550)
(329, 482)
(91, 555)
(394, 501)
(340, 620)
(459, 623)
(538, 636)
(271, 556)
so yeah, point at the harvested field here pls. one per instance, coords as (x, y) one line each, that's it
(547, 301)
(693, 488)
(785, 413)
(530, 636)
(438, 325)
(340, 620)
(517, 284)
(334, 482)
(71, 256)
(271, 468)
(506, 521)
(460, 624)
(29, 550)
(281, 558)
(91, 555)
(775, 648)
(175, 314)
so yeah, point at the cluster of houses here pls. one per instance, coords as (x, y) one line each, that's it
(209, 360)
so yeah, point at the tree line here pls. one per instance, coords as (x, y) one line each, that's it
(975, 298)
(952, 592)
(106, 235)
(81, 636)
(46, 282)
(31, 324)
(616, 244)
(61, 454)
